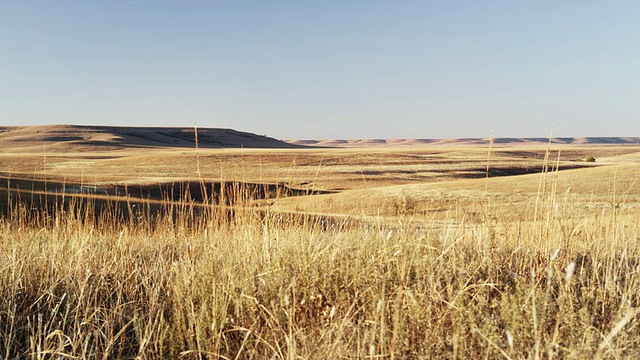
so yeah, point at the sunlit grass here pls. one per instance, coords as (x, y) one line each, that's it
(534, 266)
(260, 284)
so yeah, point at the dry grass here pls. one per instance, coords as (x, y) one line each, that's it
(553, 275)
(322, 168)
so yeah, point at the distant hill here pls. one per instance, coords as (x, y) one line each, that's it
(62, 138)
(58, 138)
(468, 141)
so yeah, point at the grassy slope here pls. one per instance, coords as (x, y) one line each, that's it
(261, 287)
(582, 187)
(525, 272)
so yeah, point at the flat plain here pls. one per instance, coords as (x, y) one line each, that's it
(234, 245)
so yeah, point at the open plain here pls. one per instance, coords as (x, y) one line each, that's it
(166, 243)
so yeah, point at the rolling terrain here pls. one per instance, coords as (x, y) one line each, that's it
(369, 177)
(470, 141)
(136, 243)
(76, 138)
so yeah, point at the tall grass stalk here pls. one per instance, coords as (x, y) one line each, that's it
(184, 283)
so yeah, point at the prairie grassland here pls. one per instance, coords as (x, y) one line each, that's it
(511, 267)
(321, 168)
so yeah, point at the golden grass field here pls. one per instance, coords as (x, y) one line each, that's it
(447, 250)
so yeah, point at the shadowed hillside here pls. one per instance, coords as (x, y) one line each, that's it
(56, 138)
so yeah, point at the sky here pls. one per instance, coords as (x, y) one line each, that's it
(326, 69)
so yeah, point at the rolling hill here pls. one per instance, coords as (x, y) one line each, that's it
(469, 141)
(62, 138)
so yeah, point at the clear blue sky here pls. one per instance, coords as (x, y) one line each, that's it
(326, 69)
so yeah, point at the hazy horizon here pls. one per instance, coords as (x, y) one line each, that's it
(330, 70)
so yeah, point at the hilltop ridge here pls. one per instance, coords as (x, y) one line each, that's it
(95, 138)
(61, 138)
(468, 141)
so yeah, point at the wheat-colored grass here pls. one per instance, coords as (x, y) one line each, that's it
(475, 277)
(260, 286)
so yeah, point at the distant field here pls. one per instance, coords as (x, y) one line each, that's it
(390, 180)
(119, 244)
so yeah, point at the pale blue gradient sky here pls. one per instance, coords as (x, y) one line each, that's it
(326, 69)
